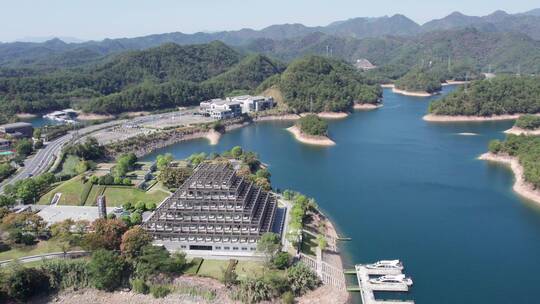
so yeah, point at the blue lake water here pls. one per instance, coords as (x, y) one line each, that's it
(404, 188)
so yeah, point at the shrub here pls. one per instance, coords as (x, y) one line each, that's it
(281, 260)
(302, 279)
(126, 181)
(23, 283)
(150, 206)
(159, 291)
(86, 191)
(287, 298)
(106, 270)
(66, 274)
(139, 286)
(141, 206)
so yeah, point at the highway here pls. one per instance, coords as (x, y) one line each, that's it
(43, 159)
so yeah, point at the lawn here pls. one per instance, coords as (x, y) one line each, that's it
(116, 196)
(71, 192)
(249, 268)
(39, 248)
(213, 268)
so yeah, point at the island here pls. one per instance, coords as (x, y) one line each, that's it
(418, 83)
(499, 98)
(312, 130)
(521, 153)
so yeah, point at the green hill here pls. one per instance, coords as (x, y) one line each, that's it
(320, 84)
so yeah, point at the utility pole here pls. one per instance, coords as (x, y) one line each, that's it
(327, 50)
(466, 81)
(310, 104)
(449, 63)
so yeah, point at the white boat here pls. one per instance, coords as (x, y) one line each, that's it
(386, 264)
(392, 279)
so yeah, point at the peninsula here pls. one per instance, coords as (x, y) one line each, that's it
(521, 154)
(499, 98)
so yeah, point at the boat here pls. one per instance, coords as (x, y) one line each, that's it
(386, 264)
(392, 279)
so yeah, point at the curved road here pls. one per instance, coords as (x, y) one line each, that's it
(41, 161)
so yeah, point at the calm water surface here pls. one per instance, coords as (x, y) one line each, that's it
(404, 188)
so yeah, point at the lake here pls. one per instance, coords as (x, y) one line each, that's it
(406, 189)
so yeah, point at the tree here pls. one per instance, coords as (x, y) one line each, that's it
(269, 244)
(124, 163)
(313, 125)
(6, 201)
(196, 159)
(89, 150)
(163, 160)
(140, 206)
(24, 147)
(150, 206)
(23, 227)
(135, 218)
(106, 270)
(133, 241)
(495, 146)
(302, 279)
(263, 173)
(174, 177)
(236, 152)
(156, 259)
(81, 167)
(37, 133)
(107, 234)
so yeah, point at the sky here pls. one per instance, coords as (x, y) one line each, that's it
(99, 19)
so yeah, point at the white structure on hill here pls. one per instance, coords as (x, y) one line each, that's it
(235, 106)
(364, 64)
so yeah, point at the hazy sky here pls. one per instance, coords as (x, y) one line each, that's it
(98, 19)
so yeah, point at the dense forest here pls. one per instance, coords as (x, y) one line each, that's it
(528, 122)
(166, 76)
(497, 96)
(526, 149)
(316, 84)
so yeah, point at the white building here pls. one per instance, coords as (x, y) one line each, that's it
(235, 106)
(253, 103)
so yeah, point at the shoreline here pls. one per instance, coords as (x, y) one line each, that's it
(411, 93)
(309, 139)
(26, 115)
(330, 115)
(91, 116)
(520, 131)
(469, 118)
(521, 186)
(367, 106)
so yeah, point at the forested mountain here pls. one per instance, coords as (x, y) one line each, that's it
(318, 84)
(166, 76)
(57, 54)
(498, 21)
(497, 96)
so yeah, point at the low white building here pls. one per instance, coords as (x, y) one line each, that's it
(253, 103)
(235, 106)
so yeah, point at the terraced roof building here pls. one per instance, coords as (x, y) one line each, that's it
(214, 210)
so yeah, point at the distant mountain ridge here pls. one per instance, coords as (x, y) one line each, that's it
(56, 53)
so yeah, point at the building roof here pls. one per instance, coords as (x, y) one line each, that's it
(16, 125)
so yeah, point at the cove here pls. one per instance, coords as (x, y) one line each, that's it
(404, 188)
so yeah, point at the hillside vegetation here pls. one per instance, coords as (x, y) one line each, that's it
(166, 76)
(526, 149)
(501, 95)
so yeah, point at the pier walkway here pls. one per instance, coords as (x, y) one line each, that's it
(366, 288)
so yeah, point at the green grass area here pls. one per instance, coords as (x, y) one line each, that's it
(71, 192)
(213, 268)
(97, 190)
(69, 164)
(249, 268)
(116, 196)
(309, 244)
(39, 248)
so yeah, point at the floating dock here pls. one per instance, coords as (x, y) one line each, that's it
(367, 288)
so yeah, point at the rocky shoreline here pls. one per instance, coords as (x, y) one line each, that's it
(367, 106)
(521, 186)
(520, 131)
